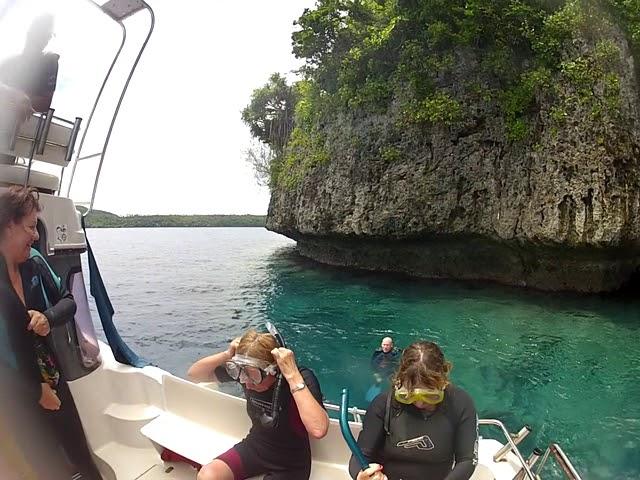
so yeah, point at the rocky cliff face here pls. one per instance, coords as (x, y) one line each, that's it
(558, 211)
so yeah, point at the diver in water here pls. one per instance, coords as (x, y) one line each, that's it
(284, 403)
(384, 362)
(385, 359)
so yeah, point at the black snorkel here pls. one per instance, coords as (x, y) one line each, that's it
(266, 420)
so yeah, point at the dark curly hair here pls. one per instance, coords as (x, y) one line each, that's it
(16, 203)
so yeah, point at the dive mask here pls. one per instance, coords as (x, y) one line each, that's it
(431, 396)
(247, 369)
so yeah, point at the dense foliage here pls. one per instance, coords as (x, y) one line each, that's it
(100, 219)
(411, 59)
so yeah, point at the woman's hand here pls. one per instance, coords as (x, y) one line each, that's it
(231, 351)
(374, 472)
(286, 361)
(39, 323)
(49, 400)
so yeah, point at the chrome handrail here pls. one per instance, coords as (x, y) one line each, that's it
(561, 459)
(95, 105)
(514, 448)
(355, 412)
(42, 119)
(102, 154)
(117, 110)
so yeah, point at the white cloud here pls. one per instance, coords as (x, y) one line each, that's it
(178, 144)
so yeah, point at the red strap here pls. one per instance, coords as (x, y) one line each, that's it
(170, 456)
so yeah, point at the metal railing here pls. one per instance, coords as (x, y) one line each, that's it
(355, 412)
(39, 140)
(128, 9)
(561, 460)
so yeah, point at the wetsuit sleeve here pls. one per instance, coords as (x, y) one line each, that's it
(311, 381)
(222, 376)
(371, 438)
(466, 438)
(375, 360)
(62, 311)
(64, 306)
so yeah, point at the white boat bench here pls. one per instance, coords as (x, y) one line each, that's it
(200, 424)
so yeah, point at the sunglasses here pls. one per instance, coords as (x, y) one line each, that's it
(431, 396)
(246, 369)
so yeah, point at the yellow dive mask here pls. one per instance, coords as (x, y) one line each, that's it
(431, 396)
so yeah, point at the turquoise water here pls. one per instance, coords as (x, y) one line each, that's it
(567, 365)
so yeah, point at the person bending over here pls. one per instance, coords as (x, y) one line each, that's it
(281, 451)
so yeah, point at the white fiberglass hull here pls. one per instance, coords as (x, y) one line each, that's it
(129, 414)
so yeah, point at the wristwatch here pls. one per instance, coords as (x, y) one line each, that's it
(298, 386)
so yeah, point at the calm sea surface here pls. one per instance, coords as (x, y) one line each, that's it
(567, 365)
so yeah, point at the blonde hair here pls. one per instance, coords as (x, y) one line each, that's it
(422, 365)
(257, 345)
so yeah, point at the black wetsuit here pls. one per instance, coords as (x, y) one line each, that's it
(35, 278)
(34, 74)
(421, 445)
(23, 428)
(64, 424)
(282, 452)
(385, 363)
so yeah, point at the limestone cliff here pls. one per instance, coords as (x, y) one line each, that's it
(559, 210)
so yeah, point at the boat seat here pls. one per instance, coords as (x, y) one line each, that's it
(200, 424)
(17, 174)
(59, 140)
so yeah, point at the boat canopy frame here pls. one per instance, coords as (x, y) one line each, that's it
(118, 11)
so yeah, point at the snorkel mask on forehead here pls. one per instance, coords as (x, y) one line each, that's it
(244, 369)
(431, 396)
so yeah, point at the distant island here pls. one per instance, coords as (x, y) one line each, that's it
(102, 219)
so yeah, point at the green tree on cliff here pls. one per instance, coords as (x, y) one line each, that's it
(269, 117)
(399, 57)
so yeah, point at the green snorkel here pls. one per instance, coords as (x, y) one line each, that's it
(346, 431)
(348, 436)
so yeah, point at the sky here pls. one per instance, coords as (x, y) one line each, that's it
(179, 144)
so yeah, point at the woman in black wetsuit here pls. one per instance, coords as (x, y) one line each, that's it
(281, 450)
(422, 426)
(35, 303)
